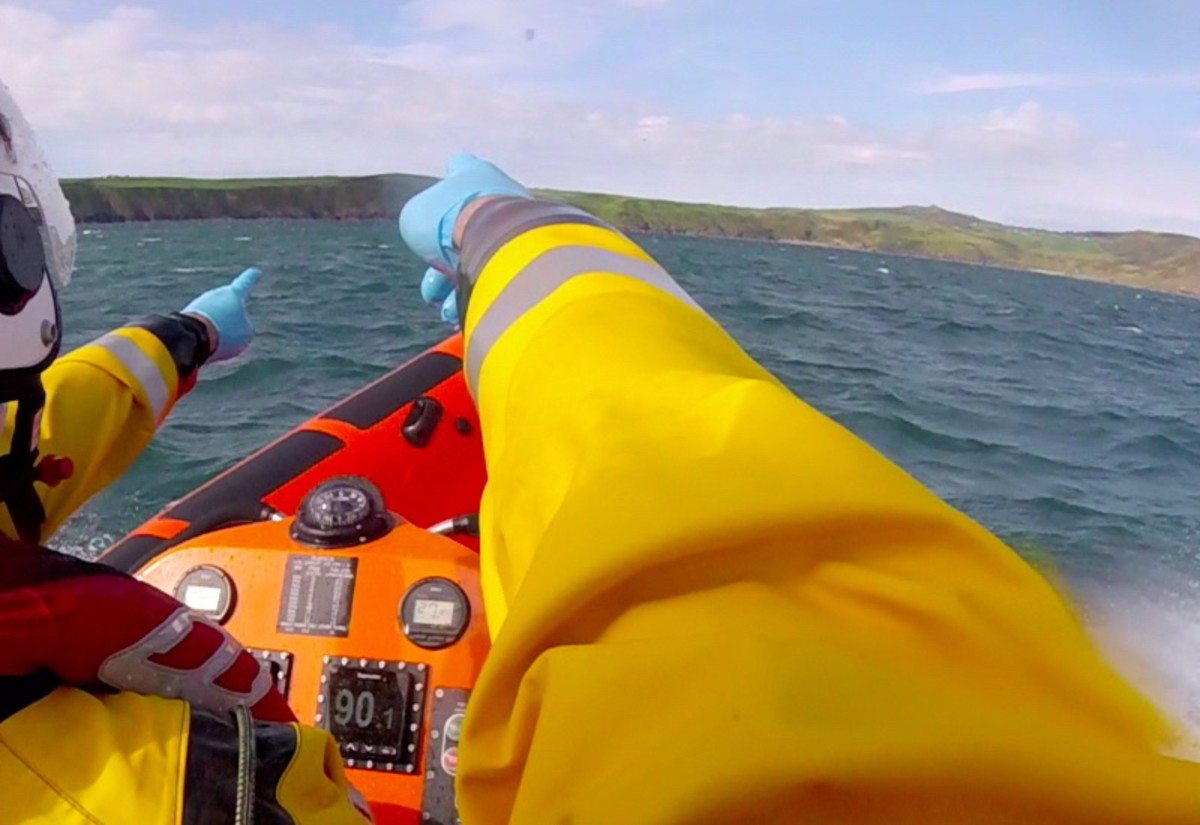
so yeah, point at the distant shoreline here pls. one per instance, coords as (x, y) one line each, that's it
(1194, 293)
(1156, 261)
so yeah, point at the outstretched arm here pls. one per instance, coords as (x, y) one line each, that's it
(106, 400)
(712, 603)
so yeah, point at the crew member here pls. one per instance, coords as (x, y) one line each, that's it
(711, 603)
(71, 426)
(82, 646)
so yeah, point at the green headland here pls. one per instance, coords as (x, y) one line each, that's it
(1151, 260)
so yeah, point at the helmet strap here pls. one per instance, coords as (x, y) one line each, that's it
(18, 469)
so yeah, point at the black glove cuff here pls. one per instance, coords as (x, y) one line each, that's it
(184, 336)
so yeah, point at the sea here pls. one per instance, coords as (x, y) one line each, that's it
(1064, 415)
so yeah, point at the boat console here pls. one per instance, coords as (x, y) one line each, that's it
(373, 629)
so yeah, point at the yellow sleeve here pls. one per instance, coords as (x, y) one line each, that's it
(711, 603)
(104, 402)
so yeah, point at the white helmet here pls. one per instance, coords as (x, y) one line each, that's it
(37, 253)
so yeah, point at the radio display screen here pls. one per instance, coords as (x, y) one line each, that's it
(434, 612)
(366, 710)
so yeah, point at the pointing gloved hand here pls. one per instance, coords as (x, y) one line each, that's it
(436, 288)
(224, 308)
(428, 220)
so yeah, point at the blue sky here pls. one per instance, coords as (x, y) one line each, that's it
(1059, 113)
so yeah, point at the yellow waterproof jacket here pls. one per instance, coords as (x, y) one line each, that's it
(125, 759)
(711, 603)
(104, 403)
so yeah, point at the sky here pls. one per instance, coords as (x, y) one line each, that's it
(1065, 114)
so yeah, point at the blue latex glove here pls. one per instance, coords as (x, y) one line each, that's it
(225, 308)
(427, 220)
(436, 288)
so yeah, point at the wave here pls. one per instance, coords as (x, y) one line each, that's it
(953, 326)
(874, 425)
(1147, 626)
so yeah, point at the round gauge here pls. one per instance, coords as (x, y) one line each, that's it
(207, 590)
(342, 512)
(435, 613)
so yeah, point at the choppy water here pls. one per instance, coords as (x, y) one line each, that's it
(1063, 415)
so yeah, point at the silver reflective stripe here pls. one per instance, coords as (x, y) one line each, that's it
(133, 668)
(542, 276)
(143, 368)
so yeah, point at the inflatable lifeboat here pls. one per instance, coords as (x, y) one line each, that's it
(345, 556)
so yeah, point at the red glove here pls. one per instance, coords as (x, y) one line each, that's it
(93, 626)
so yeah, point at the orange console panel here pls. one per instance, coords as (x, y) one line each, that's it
(377, 636)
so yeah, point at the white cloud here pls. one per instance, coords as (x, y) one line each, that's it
(1028, 132)
(1152, 196)
(986, 81)
(999, 81)
(506, 39)
(129, 93)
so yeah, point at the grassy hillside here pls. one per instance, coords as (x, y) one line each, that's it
(1149, 259)
(114, 200)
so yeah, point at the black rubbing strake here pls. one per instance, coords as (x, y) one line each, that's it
(371, 405)
(133, 552)
(238, 496)
(263, 474)
(235, 498)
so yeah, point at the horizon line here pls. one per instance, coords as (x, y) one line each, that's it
(910, 205)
